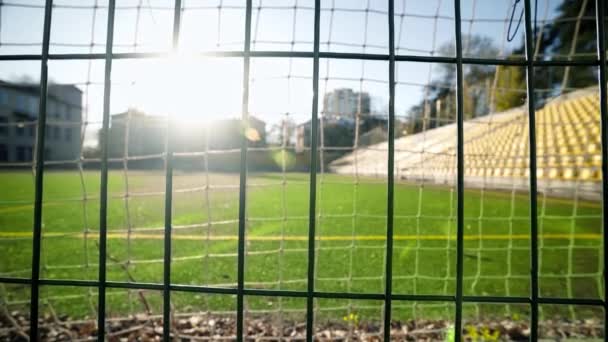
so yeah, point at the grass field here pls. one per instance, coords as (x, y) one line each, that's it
(351, 242)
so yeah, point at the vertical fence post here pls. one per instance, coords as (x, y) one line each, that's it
(388, 286)
(243, 178)
(533, 185)
(103, 189)
(39, 176)
(459, 174)
(601, 53)
(312, 203)
(169, 190)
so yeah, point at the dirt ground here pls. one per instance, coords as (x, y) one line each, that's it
(207, 327)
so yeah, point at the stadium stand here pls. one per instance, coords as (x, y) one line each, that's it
(497, 152)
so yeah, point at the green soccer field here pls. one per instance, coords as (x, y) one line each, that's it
(351, 252)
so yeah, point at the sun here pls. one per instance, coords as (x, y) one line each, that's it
(188, 88)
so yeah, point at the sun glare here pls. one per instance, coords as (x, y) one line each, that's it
(187, 88)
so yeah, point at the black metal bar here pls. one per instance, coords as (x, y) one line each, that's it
(275, 293)
(103, 189)
(134, 286)
(204, 289)
(69, 282)
(283, 54)
(167, 234)
(312, 201)
(9, 280)
(21, 57)
(341, 55)
(39, 177)
(459, 175)
(243, 179)
(523, 62)
(345, 295)
(169, 193)
(390, 200)
(304, 294)
(492, 299)
(423, 298)
(307, 54)
(533, 185)
(571, 301)
(600, 8)
(58, 282)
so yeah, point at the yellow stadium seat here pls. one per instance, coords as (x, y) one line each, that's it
(569, 173)
(593, 147)
(580, 160)
(568, 143)
(566, 160)
(553, 173)
(589, 174)
(540, 173)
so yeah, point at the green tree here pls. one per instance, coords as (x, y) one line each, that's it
(571, 34)
(439, 105)
(510, 87)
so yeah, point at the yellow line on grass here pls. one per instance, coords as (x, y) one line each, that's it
(428, 237)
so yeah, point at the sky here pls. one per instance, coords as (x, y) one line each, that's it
(211, 88)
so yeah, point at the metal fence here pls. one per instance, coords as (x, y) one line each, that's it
(241, 291)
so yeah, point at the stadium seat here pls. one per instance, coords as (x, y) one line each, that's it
(568, 143)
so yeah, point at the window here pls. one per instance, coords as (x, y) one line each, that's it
(75, 115)
(31, 128)
(3, 126)
(21, 103)
(20, 153)
(68, 113)
(52, 108)
(56, 132)
(63, 111)
(33, 104)
(68, 134)
(20, 129)
(3, 97)
(24, 153)
(3, 153)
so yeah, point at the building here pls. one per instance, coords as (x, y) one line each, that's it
(146, 135)
(19, 116)
(340, 132)
(346, 102)
(340, 108)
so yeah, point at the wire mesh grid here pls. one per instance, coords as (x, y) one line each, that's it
(318, 53)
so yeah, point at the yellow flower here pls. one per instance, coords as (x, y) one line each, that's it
(352, 317)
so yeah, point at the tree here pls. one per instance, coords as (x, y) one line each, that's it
(510, 87)
(439, 105)
(283, 131)
(490, 88)
(565, 37)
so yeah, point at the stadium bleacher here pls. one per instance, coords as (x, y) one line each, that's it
(497, 149)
